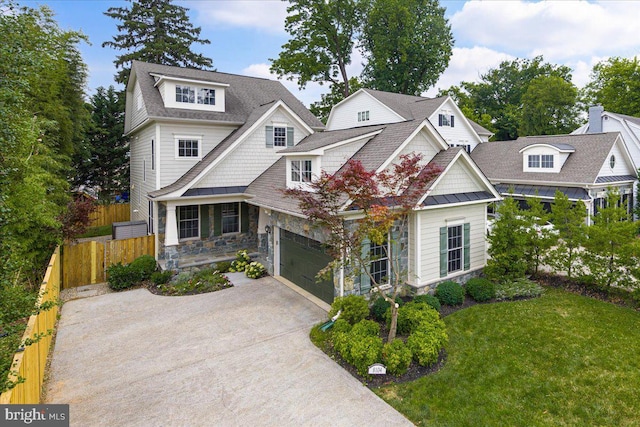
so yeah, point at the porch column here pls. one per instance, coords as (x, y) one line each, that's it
(171, 226)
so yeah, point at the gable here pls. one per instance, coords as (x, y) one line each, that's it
(617, 162)
(422, 144)
(459, 178)
(333, 159)
(347, 113)
(457, 131)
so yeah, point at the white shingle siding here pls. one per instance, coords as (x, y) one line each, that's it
(461, 133)
(621, 167)
(458, 179)
(173, 168)
(138, 115)
(345, 115)
(419, 144)
(140, 146)
(431, 221)
(251, 158)
(334, 159)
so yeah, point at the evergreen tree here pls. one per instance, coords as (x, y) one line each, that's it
(507, 243)
(105, 164)
(540, 237)
(156, 31)
(569, 221)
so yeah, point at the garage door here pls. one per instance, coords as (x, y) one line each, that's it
(300, 260)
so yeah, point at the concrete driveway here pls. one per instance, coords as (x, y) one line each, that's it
(237, 357)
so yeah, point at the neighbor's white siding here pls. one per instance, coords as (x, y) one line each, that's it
(431, 221)
(136, 110)
(461, 133)
(143, 178)
(458, 179)
(345, 115)
(172, 167)
(621, 167)
(251, 158)
(333, 159)
(613, 125)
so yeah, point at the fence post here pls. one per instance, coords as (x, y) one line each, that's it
(94, 261)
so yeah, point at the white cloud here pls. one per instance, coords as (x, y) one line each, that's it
(560, 30)
(263, 15)
(468, 64)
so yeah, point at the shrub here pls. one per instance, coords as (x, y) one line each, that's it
(366, 327)
(145, 265)
(241, 262)
(205, 280)
(380, 307)
(481, 290)
(519, 288)
(161, 277)
(364, 350)
(121, 276)
(412, 314)
(255, 270)
(354, 308)
(450, 293)
(341, 325)
(223, 266)
(427, 341)
(397, 357)
(428, 299)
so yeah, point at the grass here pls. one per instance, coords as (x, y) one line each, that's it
(103, 230)
(558, 360)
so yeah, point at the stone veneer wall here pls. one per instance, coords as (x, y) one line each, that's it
(210, 246)
(462, 279)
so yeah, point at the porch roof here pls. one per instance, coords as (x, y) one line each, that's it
(573, 193)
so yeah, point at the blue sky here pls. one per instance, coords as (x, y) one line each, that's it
(245, 34)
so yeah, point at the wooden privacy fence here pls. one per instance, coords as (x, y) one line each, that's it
(86, 263)
(30, 363)
(108, 214)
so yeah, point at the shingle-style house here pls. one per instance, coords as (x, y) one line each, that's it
(581, 166)
(211, 154)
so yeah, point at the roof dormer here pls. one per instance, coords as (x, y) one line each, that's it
(545, 157)
(178, 92)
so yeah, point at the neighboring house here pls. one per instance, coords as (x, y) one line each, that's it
(211, 154)
(371, 107)
(604, 121)
(581, 166)
(198, 139)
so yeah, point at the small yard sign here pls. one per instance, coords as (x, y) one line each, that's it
(377, 369)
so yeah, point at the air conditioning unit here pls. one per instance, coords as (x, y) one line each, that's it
(128, 229)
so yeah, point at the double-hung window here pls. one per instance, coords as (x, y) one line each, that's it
(454, 248)
(279, 136)
(379, 264)
(301, 171)
(188, 222)
(230, 218)
(445, 119)
(188, 147)
(363, 116)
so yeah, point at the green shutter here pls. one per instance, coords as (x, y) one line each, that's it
(268, 136)
(467, 245)
(204, 222)
(443, 251)
(289, 137)
(244, 217)
(365, 282)
(217, 220)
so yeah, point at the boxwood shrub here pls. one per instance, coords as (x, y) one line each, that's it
(361, 346)
(426, 342)
(429, 300)
(145, 266)
(122, 276)
(354, 308)
(412, 314)
(481, 289)
(397, 357)
(380, 307)
(450, 293)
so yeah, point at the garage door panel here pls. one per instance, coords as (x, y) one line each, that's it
(300, 261)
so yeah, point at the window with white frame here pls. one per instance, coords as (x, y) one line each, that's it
(533, 160)
(188, 222)
(379, 264)
(206, 96)
(279, 136)
(544, 161)
(363, 116)
(301, 170)
(230, 218)
(188, 147)
(445, 118)
(454, 248)
(185, 94)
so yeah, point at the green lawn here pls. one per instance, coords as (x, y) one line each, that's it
(558, 360)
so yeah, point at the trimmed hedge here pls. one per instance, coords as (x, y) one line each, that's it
(412, 314)
(145, 265)
(426, 341)
(481, 289)
(429, 300)
(354, 308)
(450, 293)
(397, 357)
(380, 307)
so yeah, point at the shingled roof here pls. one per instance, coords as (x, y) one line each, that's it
(243, 95)
(502, 161)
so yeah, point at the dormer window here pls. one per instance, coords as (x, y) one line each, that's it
(545, 157)
(206, 96)
(301, 171)
(363, 116)
(185, 94)
(191, 94)
(544, 161)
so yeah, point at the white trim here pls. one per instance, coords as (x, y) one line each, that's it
(178, 138)
(276, 250)
(320, 151)
(459, 117)
(418, 257)
(157, 169)
(162, 77)
(400, 118)
(452, 205)
(545, 145)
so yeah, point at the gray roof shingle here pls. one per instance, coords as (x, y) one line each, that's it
(502, 161)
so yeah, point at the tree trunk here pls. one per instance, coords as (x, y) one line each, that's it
(394, 322)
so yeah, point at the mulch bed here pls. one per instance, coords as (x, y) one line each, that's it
(154, 289)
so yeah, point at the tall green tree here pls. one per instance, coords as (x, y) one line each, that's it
(407, 44)
(540, 237)
(500, 92)
(569, 220)
(508, 242)
(549, 107)
(615, 84)
(156, 31)
(105, 164)
(38, 63)
(323, 34)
